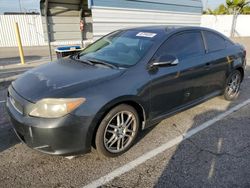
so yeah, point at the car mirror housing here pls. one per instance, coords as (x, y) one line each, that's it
(165, 60)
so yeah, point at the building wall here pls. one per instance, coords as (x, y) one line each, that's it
(109, 15)
(106, 20)
(192, 6)
(64, 18)
(31, 31)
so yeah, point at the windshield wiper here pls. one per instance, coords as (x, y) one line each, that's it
(77, 58)
(95, 61)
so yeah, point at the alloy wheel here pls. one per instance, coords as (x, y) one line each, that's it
(233, 85)
(120, 131)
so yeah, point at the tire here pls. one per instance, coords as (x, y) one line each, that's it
(232, 87)
(116, 135)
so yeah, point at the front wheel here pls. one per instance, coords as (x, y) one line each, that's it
(232, 88)
(117, 131)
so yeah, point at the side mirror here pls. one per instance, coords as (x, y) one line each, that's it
(165, 60)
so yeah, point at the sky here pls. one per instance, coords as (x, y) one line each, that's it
(212, 4)
(31, 5)
(14, 6)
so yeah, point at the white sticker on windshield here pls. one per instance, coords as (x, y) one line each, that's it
(144, 34)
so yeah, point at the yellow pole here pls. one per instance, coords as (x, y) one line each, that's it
(20, 47)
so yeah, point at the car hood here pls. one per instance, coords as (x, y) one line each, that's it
(61, 79)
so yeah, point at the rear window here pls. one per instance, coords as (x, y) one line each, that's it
(214, 41)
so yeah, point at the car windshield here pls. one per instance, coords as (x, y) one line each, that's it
(120, 48)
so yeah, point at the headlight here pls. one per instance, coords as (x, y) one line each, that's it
(54, 108)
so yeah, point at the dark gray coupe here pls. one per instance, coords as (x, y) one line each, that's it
(123, 83)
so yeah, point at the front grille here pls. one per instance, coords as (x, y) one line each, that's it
(17, 105)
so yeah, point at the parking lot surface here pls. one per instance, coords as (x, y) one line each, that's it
(217, 156)
(10, 55)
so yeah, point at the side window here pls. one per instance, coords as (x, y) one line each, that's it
(214, 41)
(183, 45)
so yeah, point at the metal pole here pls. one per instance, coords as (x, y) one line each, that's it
(19, 42)
(81, 18)
(82, 39)
(47, 27)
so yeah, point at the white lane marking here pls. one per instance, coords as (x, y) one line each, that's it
(2, 102)
(129, 166)
(70, 157)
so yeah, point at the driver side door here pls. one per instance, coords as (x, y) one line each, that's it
(173, 86)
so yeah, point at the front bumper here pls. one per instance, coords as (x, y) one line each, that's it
(59, 136)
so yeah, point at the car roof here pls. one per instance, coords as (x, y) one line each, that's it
(167, 29)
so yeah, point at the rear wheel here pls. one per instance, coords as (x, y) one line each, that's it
(232, 87)
(117, 131)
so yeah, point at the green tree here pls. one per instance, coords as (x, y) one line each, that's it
(237, 6)
(222, 9)
(231, 7)
(208, 11)
(246, 10)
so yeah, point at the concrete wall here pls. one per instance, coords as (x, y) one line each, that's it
(223, 24)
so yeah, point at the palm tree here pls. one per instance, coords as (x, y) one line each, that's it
(236, 6)
(208, 11)
(246, 10)
(222, 9)
(231, 7)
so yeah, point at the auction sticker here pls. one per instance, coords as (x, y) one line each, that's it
(145, 34)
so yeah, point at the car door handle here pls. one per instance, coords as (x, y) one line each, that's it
(187, 94)
(207, 66)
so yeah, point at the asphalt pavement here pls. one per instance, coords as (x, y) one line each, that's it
(217, 156)
(10, 55)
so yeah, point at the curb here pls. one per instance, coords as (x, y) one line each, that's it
(14, 67)
(8, 79)
(17, 66)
